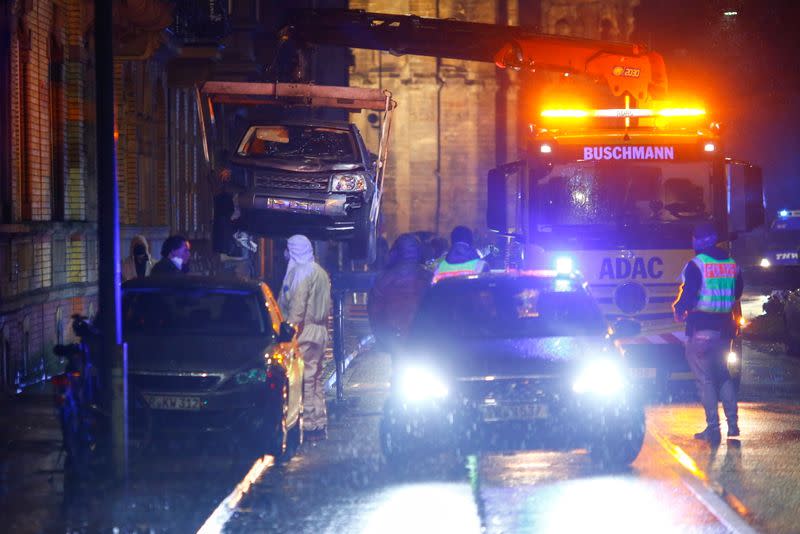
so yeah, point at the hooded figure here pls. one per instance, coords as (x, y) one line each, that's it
(305, 301)
(138, 264)
(395, 296)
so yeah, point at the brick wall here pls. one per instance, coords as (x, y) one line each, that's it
(48, 268)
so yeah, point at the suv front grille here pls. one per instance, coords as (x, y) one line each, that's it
(293, 180)
(174, 383)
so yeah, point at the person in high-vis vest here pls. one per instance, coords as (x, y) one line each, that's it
(712, 285)
(462, 258)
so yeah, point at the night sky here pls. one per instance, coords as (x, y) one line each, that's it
(745, 68)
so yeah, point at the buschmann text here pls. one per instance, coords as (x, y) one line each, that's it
(628, 152)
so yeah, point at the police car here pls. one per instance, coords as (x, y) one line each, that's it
(512, 360)
(783, 242)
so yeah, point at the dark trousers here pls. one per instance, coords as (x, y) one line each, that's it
(707, 352)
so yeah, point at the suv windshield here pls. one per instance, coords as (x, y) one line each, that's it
(591, 193)
(195, 311)
(293, 142)
(513, 308)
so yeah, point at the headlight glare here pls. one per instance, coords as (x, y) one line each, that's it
(348, 183)
(602, 377)
(419, 384)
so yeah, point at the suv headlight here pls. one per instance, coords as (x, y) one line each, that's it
(348, 183)
(420, 384)
(604, 377)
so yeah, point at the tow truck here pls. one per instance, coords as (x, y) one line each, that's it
(613, 192)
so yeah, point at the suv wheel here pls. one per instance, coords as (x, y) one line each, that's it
(364, 244)
(617, 450)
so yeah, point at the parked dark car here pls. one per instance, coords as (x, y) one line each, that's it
(207, 354)
(315, 178)
(512, 361)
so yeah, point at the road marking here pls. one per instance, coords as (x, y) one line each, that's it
(729, 510)
(361, 346)
(224, 511)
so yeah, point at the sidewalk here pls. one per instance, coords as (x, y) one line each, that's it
(31, 466)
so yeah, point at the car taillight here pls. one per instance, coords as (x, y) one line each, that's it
(60, 381)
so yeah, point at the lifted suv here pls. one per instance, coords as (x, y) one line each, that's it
(312, 177)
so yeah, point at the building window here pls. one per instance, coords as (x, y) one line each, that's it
(26, 346)
(57, 123)
(59, 326)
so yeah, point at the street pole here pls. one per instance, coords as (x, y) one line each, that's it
(114, 354)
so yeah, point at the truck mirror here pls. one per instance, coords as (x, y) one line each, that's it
(746, 194)
(754, 202)
(504, 198)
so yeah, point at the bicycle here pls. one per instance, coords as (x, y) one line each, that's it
(77, 397)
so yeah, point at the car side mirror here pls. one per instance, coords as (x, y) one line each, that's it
(287, 333)
(624, 328)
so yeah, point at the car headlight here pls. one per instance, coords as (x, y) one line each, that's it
(765, 263)
(419, 384)
(348, 183)
(603, 377)
(253, 376)
(733, 358)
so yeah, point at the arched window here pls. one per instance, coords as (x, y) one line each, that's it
(606, 29)
(563, 27)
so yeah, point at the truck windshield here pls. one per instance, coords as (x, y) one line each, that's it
(298, 142)
(592, 193)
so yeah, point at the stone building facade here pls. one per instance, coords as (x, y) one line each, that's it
(458, 119)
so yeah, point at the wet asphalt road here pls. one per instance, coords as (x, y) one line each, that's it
(676, 485)
(343, 485)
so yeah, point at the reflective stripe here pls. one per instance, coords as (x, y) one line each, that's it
(450, 270)
(717, 293)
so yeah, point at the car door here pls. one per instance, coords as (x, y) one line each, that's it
(291, 352)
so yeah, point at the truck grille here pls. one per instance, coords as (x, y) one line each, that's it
(300, 181)
(174, 383)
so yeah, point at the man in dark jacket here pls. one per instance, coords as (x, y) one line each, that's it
(462, 258)
(175, 253)
(395, 296)
(712, 285)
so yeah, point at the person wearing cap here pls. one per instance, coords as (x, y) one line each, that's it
(712, 285)
(462, 258)
(305, 302)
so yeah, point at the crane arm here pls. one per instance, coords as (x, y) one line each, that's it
(626, 68)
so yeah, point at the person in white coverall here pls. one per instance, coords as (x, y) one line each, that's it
(305, 301)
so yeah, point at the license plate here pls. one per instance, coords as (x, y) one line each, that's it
(514, 412)
(298, 206)
(643, 372)
(170, 402)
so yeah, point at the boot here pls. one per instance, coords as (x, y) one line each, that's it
(733, 430)
(710, 434)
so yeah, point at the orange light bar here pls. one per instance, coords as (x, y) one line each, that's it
(622, 113)
(565, 113)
